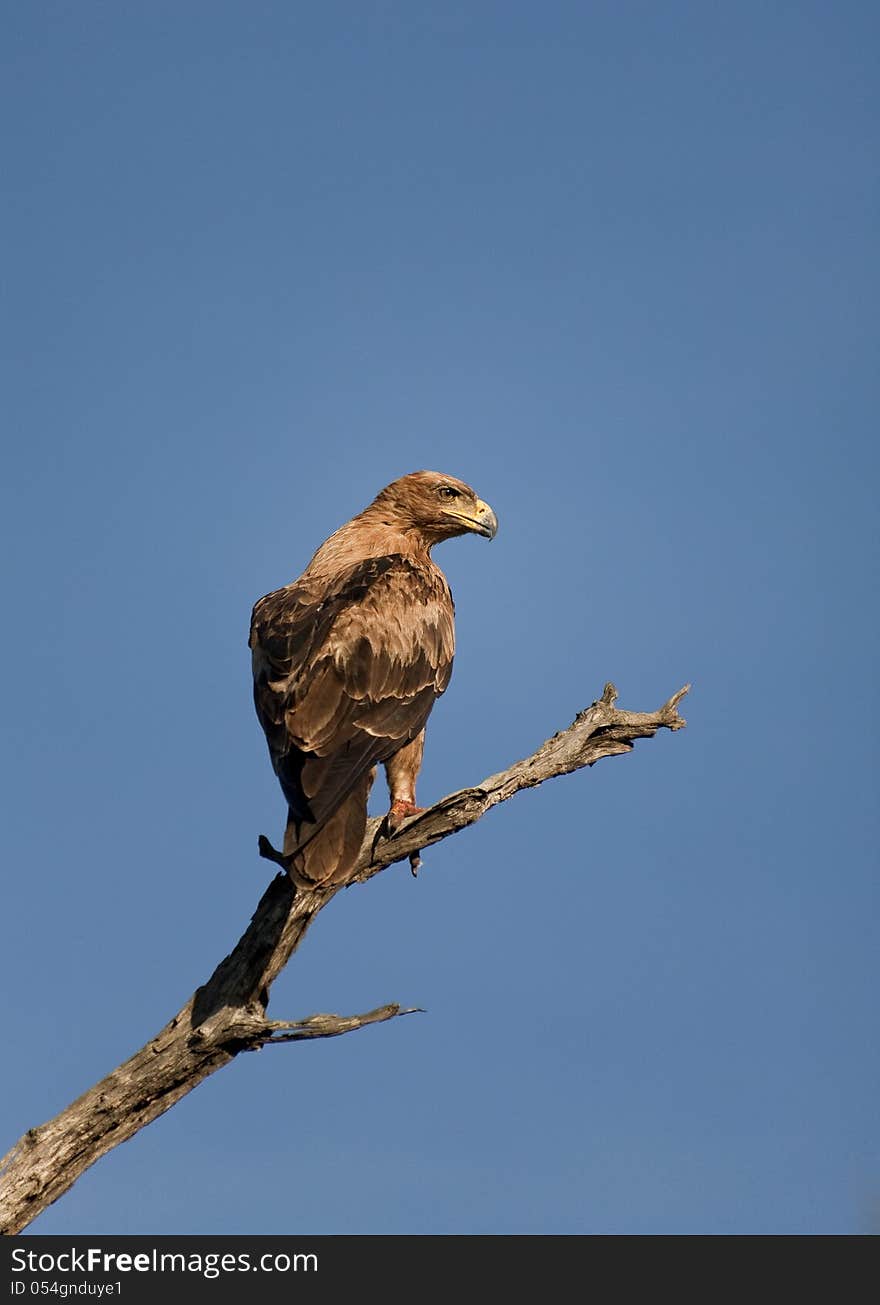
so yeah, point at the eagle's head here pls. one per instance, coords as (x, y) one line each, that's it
(435, 506)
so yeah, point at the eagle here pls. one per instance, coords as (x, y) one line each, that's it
(348, 661)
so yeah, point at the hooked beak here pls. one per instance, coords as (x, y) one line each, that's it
(484, 521)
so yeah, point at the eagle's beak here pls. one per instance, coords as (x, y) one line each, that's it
(486, 522)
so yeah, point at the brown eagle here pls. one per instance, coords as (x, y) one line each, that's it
(348, 661)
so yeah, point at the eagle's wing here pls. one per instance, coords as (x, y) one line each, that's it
(344, 675)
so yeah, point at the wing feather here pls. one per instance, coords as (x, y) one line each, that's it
(345, 673)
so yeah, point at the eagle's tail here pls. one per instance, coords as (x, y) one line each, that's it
(328, 855)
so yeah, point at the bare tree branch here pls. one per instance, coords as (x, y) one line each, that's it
(227, 1015)
(330, 1026)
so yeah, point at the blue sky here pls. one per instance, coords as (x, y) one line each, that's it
(614, 264)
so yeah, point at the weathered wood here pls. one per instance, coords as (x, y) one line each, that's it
(227, 1015)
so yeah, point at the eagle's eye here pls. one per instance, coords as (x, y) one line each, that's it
(449, 491)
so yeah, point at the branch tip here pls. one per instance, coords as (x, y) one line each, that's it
(270, 853)
(327, 1026)
(669, 710)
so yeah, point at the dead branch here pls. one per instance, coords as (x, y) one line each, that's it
(227, 1015)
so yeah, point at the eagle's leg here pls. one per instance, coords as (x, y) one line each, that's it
(401, 771)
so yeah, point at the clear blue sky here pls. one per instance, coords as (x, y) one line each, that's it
(616, 265)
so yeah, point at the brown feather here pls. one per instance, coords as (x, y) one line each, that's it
(348, 661)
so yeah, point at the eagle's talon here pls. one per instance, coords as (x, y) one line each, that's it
(399, 812)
